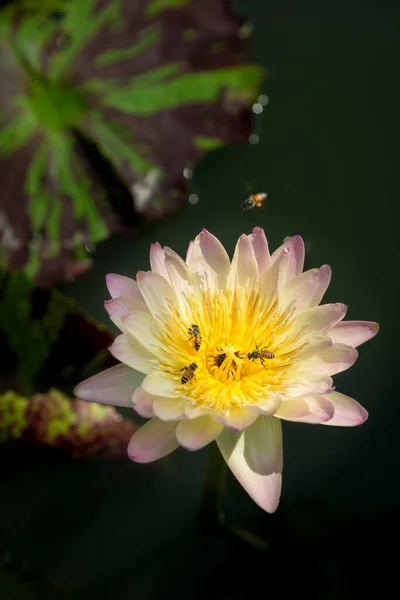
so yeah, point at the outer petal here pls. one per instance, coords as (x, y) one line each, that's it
(132, 353)
(189, 252)
(152, 441)
(143, 403)
(306, 290)
(310, 409)
(156, 291)
(157, 260)
(309, 385)
(244, 266)
(255, 458)
(294, 247)
(354, 333)
(142, 326)
(114, 386)
(347, 412)
(169, 409)
(261, 250)
(119, 308)
(119, 285)
(331, 360)
(209, 260)
(196, 433)
(320, 318)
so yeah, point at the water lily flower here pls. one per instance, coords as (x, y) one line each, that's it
(225, 350)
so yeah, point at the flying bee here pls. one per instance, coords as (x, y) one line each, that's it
(189, 372)
(195, 333)
(254, 201)
(261, 354)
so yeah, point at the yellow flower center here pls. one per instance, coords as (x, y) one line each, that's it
(233, 323)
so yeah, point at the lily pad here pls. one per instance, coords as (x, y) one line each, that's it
(138, 90)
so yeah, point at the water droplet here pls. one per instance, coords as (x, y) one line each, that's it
(253, 138)
(118, 418)
(246, 30)
(263, 99)
(187, 173)
(90, 248)
(193, 199)
(257, 108)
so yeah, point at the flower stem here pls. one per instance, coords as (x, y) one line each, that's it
(214, 488)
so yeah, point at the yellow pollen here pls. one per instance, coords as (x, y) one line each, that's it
(232, 323)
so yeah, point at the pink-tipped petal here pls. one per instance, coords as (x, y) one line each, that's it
(114, 386)
(244, 266)
(354, 333)
(169, 409)
(331, 360)
(129, 351)
(157, 260)
(143, 327)
(261, 250)
(119, 308)
(307, 289)
(177, 272)
(274, 279)
(197, 433)
(209, 261)
(143, 403)
(256, 460)
(153, 441)
(160, 383)
(294, 247)
(310, 409)
(119, 286)
(156, 291)
(189, 252)
(347, 412)
(321, 318)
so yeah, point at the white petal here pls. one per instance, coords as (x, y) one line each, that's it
(156, 291)
(119, 286)
(143, 327)
(209, 261)
(310, 409)
(320, 319)
(244, 266)
(307, 289)
(237, 418)
(294, 248)
(196, 433)
(114, 386)
(169, 409)
(152, 441)
(274, 279)
(189, 252)
(119, 308)
(354, 333)
(347, 412)
(331, 360)
(132, 353)
(143, 403)
(255, 458)
(261, 250)
(157, 260)
(160, 383)
(178, 273)
(302, 386)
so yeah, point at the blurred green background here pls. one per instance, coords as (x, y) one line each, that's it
(327, 155)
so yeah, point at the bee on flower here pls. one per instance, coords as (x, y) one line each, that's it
(232, 399)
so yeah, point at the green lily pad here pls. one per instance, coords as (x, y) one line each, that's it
(139, 90)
